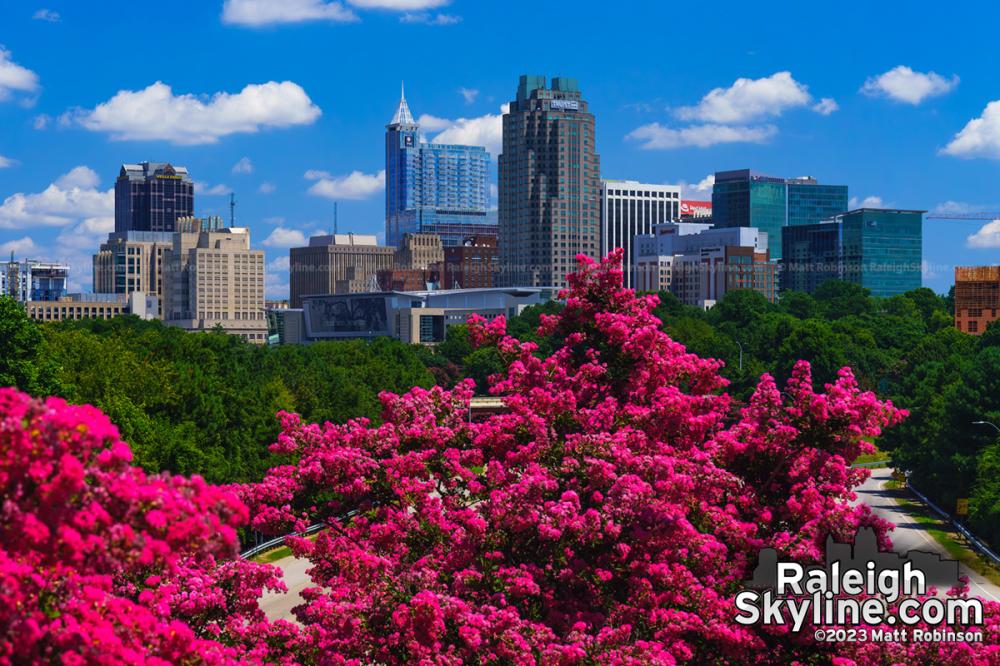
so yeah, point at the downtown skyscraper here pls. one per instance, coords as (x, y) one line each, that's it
(433, 188)
(150, 196)
(745, 198)
(549, 182)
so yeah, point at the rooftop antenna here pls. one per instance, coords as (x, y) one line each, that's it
(334, 218)
(232, 210)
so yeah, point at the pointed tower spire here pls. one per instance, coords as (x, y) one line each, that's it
(403, 115)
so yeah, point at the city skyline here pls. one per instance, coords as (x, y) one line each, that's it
(290, 137)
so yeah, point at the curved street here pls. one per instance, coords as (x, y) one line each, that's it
(908, 535)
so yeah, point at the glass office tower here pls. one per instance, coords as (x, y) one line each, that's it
(745, 198)
(433, 188)
(879, 249)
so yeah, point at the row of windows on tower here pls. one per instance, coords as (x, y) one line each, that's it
(647, 195)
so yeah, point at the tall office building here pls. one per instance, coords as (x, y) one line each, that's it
(131, 261)
(977, 297)
(879, 249)
(31, 280)
(630, 208)
(336, 264)
(549, 184)
(745, 198)
(213, 278)
(150, 196)
(433, 188)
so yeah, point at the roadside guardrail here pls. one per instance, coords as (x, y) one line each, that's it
(279, 541)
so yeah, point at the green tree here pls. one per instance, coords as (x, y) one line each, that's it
(21, 363)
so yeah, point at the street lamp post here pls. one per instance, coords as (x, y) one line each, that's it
(741, 353)
(992, 425)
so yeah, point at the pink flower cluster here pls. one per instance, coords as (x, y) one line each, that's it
(609, 516)
(101, 564)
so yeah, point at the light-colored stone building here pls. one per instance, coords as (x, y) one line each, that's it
(133, 260)
(94, 306)
(337, 264)
(419, 252)
(213, 278)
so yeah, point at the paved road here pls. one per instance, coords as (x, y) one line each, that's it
(279, 605)
(907, 536)
(910, 534)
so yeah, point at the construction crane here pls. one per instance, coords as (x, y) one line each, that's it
(964, 216)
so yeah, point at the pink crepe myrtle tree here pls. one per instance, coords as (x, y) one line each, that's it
(608, 516)
(102, 564)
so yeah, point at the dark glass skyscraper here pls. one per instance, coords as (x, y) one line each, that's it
(433, 188)
(150, 196)
(745, 198)
(550, 181)
(878, 249)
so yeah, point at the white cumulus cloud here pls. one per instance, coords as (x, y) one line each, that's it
(749, 99)
(355, 185)
(426, 18)
(46, 15)
(655, 136)
(156, 113)
(988, 236)
(486, 130)
(6, 162)
(72, 198)
(266, 188)
(74, 203)
(871, 201)
(699, 190)
(20, 247)
(980, 137)
(15, 79)
(243, 166)
(256, 13)
(284, 237)
(905, 85)
(468, 94)
(826, 106)
(211, 190)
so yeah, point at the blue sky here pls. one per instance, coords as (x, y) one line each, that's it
(285, 103)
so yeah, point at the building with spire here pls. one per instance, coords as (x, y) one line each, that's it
(433, 188)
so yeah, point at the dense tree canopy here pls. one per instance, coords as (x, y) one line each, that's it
(608, 517)
(205, 403)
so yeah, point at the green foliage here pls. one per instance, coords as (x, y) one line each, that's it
(21, 365)
(206, 403)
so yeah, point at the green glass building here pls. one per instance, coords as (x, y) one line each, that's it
(745, 198)
(879, 249)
